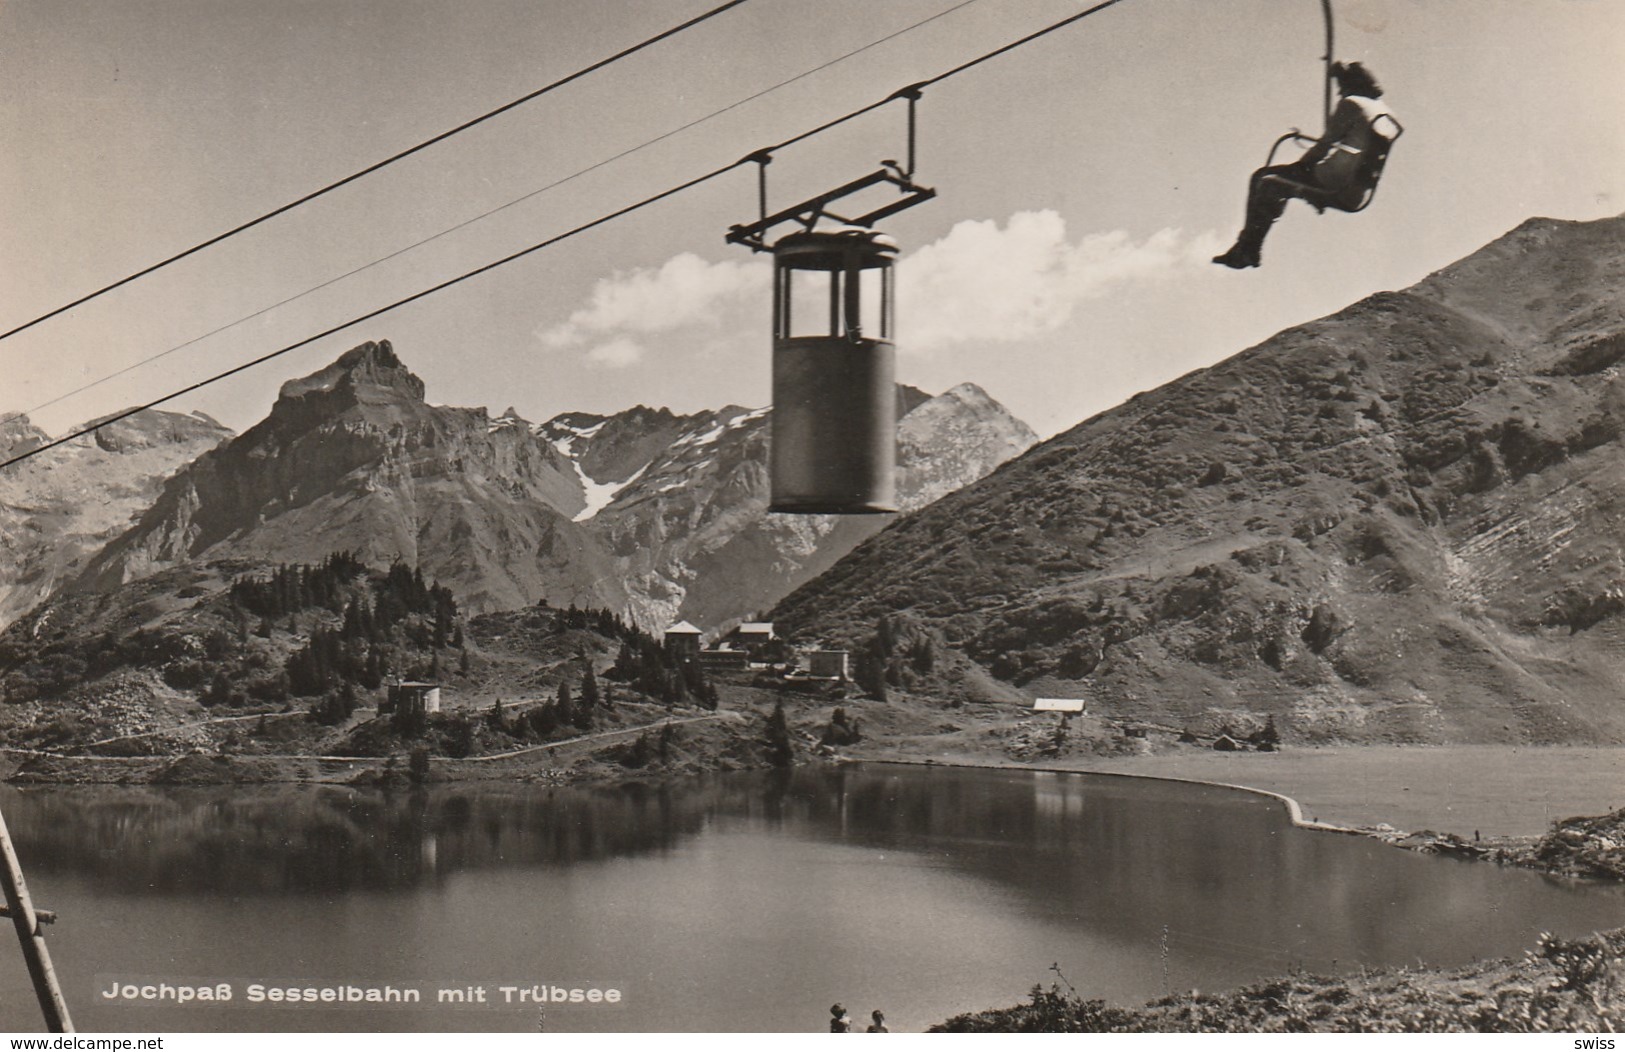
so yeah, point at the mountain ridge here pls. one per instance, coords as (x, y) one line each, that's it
(1399, 522)
(599, 510)
(60, 506)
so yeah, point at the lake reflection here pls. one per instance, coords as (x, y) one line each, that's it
(743, 901)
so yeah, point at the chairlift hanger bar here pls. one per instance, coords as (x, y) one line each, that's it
(1327, 58)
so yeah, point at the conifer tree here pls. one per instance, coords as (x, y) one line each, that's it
(543, 719)
(641, 752)
(566, 713)
(780, 749)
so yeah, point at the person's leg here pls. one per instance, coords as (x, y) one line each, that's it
(1266, 199)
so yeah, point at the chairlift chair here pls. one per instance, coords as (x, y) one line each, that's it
(1348, 175)
(1346, 179)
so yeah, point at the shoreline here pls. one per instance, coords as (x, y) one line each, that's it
(1294, 810)
(1354, 778)
(1428, 843)
(1499, 790)
(1521, 851)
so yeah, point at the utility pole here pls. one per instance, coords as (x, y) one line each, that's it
(29, 933)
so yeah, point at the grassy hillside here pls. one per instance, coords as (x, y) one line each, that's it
(1401, 523)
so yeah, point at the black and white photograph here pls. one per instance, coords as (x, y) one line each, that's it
(812, 516)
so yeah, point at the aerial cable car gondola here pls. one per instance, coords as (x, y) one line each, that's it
(834, 428)
(1339, 170)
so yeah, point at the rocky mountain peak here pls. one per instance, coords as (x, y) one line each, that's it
(18, 435)
(646, 510)
(368, 373)
(910, 399)
(58, 508)
(567, 423)
(964, 400)
(969, 394)
(353, 458)
(151, 428)
(952, 440)
(612, 448)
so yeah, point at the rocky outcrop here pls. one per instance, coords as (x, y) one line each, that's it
(352, 458)
(952, 440)
(61, 506)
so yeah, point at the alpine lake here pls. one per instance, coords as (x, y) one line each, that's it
(734, 902)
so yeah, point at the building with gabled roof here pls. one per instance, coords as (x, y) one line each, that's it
(751, 632)
(682, 638)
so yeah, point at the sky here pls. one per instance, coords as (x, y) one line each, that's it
(1083, 182)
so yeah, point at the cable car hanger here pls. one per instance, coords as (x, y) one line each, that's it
(809, 212)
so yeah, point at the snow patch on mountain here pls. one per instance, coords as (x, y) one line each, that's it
(573, 437)
(599, 495)
(716, 431)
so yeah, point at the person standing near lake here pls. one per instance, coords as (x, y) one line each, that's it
(839, 1021)
(879, 1024)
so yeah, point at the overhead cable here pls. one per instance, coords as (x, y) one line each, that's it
(578, 173)
(583, 228)
(200, 246)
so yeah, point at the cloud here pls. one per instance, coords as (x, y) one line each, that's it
(980, 283)
(986, 284)
(683, 291)
(618, 353)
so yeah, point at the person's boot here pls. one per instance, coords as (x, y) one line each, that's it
(1243, 254)
(1248, 247)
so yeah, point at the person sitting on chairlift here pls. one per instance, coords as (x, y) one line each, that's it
(1338, 171)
